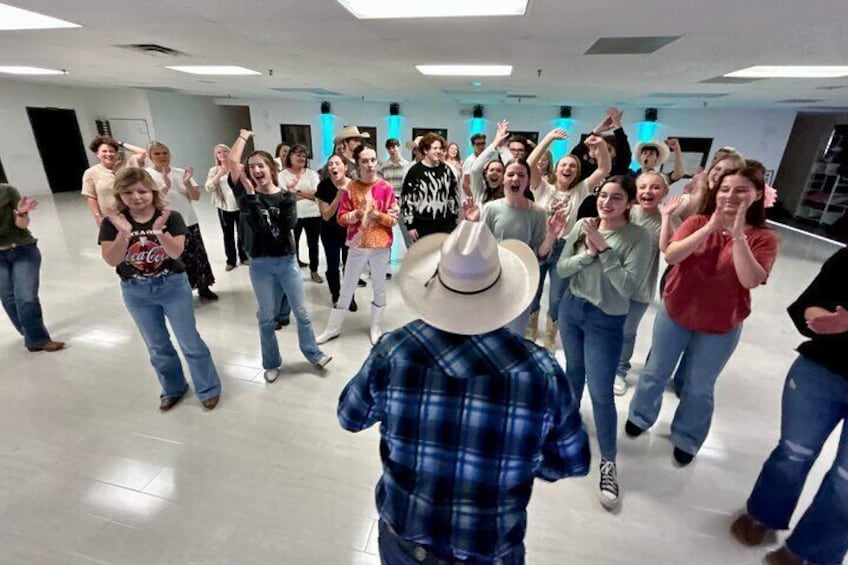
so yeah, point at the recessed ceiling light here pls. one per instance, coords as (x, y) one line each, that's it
(213, 70)
(377, 10)
(21, 70)
(466, 70)
(16, 18)
(792, 71)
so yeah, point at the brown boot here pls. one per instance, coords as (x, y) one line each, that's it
(550, 334)
(783, 556)
(532, 331)
(748, 531)
(49, 346)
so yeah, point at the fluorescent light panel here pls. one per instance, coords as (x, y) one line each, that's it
(12, 18)
(465, 70)
(388, 9)
(791, 71)
(21, 70)
(217, 70)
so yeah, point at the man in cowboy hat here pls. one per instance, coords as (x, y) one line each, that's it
(470, 413)
(350, 138)
(652, 154)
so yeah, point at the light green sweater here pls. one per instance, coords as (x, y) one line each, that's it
(612, 278)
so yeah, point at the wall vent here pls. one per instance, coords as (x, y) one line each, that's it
(152, 49)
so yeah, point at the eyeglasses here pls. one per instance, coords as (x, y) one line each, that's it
(476, 143)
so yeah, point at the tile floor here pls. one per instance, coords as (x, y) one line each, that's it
(91, 472)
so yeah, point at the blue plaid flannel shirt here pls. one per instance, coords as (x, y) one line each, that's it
(466, 424)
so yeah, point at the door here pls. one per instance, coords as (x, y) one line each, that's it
(57, 135)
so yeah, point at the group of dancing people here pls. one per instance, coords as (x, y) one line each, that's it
(595, 228)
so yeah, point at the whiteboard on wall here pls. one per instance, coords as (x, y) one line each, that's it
(133, 131)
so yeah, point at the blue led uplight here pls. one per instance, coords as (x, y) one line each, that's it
(475, 126)
(327, 135)
(394, 125)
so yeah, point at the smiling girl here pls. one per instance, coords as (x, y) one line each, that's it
(144, 240)
(269, 214)
(606, 261)
(718, 256)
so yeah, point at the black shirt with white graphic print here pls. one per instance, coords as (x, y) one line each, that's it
(267, 221)
(145, 257)
(429, 201)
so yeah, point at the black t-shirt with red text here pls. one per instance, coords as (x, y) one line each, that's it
(145, 258)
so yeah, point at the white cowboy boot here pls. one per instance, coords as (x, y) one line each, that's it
(376, 317)
(334, 326)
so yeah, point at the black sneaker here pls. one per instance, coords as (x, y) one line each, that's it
(207, 294)
(681, 457)
(281, 324)
(353, 307)
(388, 276)
(632, 430)
(361, 283)
(608, 492)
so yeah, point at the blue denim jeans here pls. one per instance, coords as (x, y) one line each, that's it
(592, 342)
(271, 277)
(19, 276)
(815, 402)
(559, 285)
(150, 302)
(395, 550)
(631, 326)
(707, 353)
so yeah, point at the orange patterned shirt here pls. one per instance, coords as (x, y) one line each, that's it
(374, 231)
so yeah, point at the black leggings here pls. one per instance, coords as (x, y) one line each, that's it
(313, 230)
(335, 251)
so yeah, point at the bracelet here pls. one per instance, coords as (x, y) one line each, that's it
(242, 138)
(739, 238)
(21, 214)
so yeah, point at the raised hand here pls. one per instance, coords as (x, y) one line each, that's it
(247, 182)
(556, 223)
(593, 140)
(470, 210)
(187, 175)
(503, 132)
(120, 222)
(162, 220)
(716, 221)
(27, 205)
(738, 229)
(558, 133)
(614, 115)
(673, 144)
(167, 180)
(245, 133)
(293, 183)
(831, 323)
(669, 206)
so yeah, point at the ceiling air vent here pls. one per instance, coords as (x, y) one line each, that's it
(152, 49)
(630, 45)
(520, 96)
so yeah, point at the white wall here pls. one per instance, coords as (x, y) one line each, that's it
(18, 150)
(759, 134)
(192, 125)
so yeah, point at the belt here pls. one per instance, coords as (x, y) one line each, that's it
(427, 555)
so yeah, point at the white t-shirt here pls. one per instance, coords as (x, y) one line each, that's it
(309, 180)
(176, 196)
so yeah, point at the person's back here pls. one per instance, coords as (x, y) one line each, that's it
(467, 423)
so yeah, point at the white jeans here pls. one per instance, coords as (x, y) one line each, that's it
(378, 262)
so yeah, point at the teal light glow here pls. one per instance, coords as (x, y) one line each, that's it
(327, 129)
(560, 147)
(394, 125)
(645, 131)
(475, 126)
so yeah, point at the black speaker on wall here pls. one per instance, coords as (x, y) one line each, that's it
(394, 109)
(325, 107)
(651, 115)
(565, 111)
(478, 111)
(103, 127)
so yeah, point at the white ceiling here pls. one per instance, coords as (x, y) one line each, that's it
(318, 44)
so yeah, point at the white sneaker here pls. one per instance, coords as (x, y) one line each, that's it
(619, 387)
(271, 375)
(323, 361)
(608, 492)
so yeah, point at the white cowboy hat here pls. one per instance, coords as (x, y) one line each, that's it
(466, 282)
(414, 143)
(349, 132)
(660, 146)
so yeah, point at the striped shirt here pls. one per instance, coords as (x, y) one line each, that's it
(466, 424)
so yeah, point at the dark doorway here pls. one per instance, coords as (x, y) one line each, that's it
(2, 173)
(57, 135)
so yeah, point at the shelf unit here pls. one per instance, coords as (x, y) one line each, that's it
(825, 196)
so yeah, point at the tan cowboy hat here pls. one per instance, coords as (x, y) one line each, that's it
(414, 143)
(349, 132)
(660, 146)
(466, 282)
